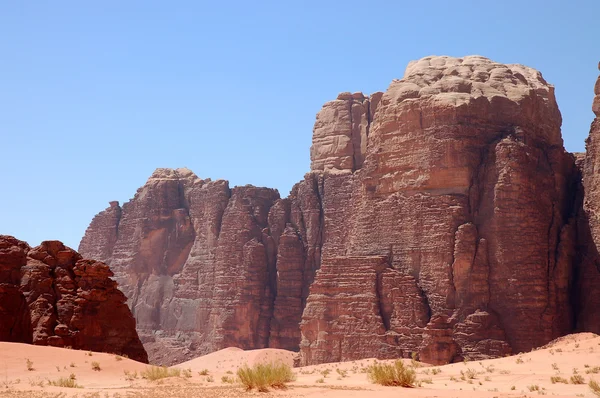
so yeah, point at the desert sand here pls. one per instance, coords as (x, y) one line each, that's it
(526, 374)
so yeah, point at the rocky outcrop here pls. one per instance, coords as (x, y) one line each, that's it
(341, 132)
(202, 264)
(465, 187)
(49, 295)
(438, 218)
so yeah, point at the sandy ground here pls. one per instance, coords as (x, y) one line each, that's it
(527, 374)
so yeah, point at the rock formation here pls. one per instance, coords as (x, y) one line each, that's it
(587, 296)
(49, 295)
(438, 218)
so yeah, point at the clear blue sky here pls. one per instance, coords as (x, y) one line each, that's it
(94, 95)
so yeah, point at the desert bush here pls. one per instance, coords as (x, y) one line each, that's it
(435, 371)
(130, 376)
(29, 364)
(533, 387)
(595, 369)
(396, 374)
(227, 379)
(160, 372)
(96, 366)
(414, 360)
(595, 387)
(470, 373)
(558, 379)
(262, 376)
(203, 372)
(577, 379)
(68, 382)
(342, 373)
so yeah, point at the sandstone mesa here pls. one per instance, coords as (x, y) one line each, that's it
(443, 217)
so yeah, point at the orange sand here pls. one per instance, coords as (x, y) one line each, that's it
(505, 377)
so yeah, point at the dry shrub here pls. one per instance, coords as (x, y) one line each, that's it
(263, 376)
(68, 382)
(577, 379)
(595, 387)
(160, 372)
(558, 379)
(396, 374)
(227, 379)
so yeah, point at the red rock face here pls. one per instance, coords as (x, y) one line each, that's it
(438, 218)
(49, 295)
(205, 266)
(465, 189)
(587, 298)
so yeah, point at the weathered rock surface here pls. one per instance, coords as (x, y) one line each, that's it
(438, 218)
(465, 187)
(587, 298)
(197, 261)
(49, 295)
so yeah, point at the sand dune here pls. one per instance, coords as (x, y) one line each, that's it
(527, 374)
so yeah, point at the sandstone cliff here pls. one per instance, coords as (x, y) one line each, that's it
(439, 217)
(587, 298)
(49, 295)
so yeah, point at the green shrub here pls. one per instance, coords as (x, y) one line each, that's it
(160, 372)
(396, 374)
(227, 379)
(263, 376)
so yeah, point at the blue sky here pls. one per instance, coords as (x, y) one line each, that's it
(95, 95)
